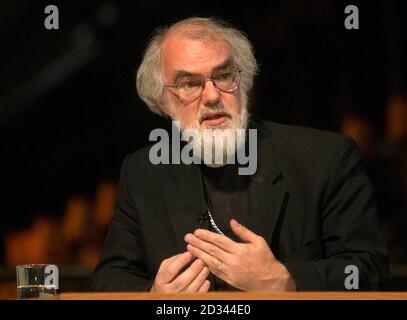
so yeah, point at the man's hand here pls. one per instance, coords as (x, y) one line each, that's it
(193, 279)
(249, 266)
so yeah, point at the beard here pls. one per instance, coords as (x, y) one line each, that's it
(218, 144)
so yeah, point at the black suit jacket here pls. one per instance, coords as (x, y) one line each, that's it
(310, 199)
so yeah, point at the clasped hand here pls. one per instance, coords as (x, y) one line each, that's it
(248, 266)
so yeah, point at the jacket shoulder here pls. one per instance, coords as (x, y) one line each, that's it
(139, 172)
(298, 139)
(308, 152)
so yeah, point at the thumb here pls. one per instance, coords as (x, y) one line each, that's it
(242, 232)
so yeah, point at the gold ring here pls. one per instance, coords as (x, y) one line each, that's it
(220, 265)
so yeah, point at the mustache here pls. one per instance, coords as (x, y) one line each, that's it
(215, 109)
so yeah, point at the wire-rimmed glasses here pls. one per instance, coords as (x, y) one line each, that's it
(190, 87)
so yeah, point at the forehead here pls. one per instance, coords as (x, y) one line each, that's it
(180, 53)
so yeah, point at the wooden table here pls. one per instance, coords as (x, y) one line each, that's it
(236, 296)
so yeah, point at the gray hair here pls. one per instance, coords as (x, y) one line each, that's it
(150, 85)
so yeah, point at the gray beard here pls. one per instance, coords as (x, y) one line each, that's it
(216, 138)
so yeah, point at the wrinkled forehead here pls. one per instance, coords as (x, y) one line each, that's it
(193, 51)
(196, 32)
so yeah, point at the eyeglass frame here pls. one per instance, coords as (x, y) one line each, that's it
(208, 78)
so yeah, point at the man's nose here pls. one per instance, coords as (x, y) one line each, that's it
(211, 94)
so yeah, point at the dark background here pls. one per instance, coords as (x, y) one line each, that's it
(69, 112)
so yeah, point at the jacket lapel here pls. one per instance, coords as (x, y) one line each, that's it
(184, 200)
(266, 201)
(268, 188)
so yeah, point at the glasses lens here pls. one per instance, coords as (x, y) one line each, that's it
(190, 88)
(227, 80)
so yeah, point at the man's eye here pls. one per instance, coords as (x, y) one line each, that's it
(224, 76)
(190, 84)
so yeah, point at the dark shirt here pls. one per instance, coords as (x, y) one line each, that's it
(227, 197)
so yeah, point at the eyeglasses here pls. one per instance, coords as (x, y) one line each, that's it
(191, 87)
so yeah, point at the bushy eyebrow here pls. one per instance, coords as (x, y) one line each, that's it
(225, 64)
(178, 74)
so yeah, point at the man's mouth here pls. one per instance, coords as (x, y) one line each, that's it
(214, 119)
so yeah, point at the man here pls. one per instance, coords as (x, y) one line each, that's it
(299, 222)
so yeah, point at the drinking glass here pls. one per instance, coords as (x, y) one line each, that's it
(37, 281)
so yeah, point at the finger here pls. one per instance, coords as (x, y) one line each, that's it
(208, 247)
(218, 240)
(186, 277)
(165, 263)
(170, 260)
(205, 286)
(197, 283)
(211, 262)
(173, 266)
(242, 232)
